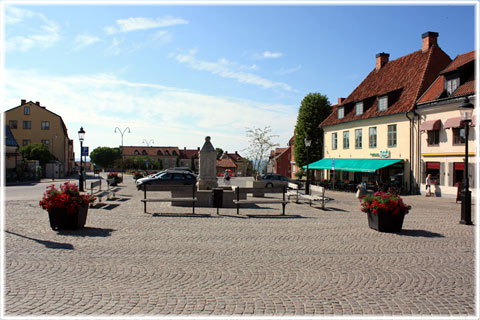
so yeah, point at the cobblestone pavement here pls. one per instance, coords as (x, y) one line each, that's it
(310, 262)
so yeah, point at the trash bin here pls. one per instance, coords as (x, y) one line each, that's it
(217, 197)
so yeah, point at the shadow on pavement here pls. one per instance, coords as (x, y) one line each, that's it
(181, 215)
(46, 243)
(87, 232)
(268, 216)
(420, 233)
(331, 209)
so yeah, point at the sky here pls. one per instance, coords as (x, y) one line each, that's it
(175, 73)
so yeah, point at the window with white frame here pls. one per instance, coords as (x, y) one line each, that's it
(358, 108)
(334, 141)
(382, 103)
(45, 125)
(452, 84)
(392, 135)
(372, 137)
(341, 112)
(346, 140)
(358, 138)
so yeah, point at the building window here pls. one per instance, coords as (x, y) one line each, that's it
(27, 124)
(136, 153)
(26, 110)
(12, 124)
(26, 142)
(346, 140)
(392, 135)
(382, 103)
(174, 153)
(159, 153)
(458, 135)
(334, 141)
(167, 153)
(358, 138)
(46, 142)
(372, 137)
(452, 85)
(433, 137)
(45, 125)
(359, 108)
(433, 168)
(340, 112)
(144, 153)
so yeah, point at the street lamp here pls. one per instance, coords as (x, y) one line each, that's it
(308, 143)
(466, 111)
(81, 137)
(147, 142)
(121, 133)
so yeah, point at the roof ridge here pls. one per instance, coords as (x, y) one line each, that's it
(427, 63)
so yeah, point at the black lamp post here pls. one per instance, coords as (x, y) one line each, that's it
(308, 143)
(466, 110)
(81, 137)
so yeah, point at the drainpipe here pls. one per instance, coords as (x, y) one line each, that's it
(418, 147)
(410, 151)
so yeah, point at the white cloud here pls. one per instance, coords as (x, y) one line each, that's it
(114, 47)
(285, 71)
(141, 23)
(170, 116)
(268, 54)
(226, 69)
(45, 34)
(83, 40)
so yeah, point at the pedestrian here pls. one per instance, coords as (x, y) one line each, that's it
(428, 185)
(361, 191)
(226, 178)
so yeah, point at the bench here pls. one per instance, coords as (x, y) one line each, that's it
(317, 193)
(293, 191)
(239, 190)
(189, 189)
(96, 190)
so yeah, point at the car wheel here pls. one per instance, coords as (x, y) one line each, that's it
(269, 185)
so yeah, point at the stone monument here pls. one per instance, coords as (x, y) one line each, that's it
(207, 176)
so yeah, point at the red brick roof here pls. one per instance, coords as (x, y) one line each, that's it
(403, 80)
(234, 156)
(226, 163)
(188, 153)
(151, 151)
(438, 87)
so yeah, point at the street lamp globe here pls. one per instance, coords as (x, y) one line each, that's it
(308, 142)
(81, 134)
(466, 110)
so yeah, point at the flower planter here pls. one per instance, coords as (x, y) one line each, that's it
(61, 220)
(385, 222)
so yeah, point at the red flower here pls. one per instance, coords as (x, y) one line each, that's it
(67, 197)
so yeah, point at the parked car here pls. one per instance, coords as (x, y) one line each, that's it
(275, 180)
(169, 176)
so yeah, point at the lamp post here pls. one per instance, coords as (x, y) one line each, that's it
(54, 166)
(466, 110)
(81, 137)
(121, 133)
(308, 143)
(147, 142)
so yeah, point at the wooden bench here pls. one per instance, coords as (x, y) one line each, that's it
(293, 191)
(96, 190)
(190, 189)
(239, 190)
(317, 193)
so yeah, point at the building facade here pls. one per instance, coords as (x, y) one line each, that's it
(441, 134)
(32, 123)
(370, 136)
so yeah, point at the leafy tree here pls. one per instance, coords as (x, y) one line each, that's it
(219, 152)
(36, 151)
(105, 157)
(260, 146)
(314, 108)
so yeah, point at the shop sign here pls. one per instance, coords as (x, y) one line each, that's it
(384, 153)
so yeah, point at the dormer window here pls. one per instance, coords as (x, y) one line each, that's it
(382, 103)
(159, 153)
(358, 108)
(341, 113)
(451, 84)
(136, 153)
(144, 152)
(174, 153)
(166, 153)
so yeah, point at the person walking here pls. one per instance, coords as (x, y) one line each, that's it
(226, 178)
(428, 185)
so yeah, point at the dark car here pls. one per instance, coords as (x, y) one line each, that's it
(275, 179)
(169, 177)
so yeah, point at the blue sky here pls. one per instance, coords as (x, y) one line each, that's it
(177, 73)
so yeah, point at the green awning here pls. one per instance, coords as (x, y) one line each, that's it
(360, 165)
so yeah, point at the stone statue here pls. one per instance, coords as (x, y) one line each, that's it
(207, 177)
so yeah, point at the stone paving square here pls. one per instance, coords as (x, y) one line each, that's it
(311, 262)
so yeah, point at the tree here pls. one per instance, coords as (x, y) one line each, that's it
(105, 157)
(219, 152)
(313, 110)
(36, 151)
(260, 146)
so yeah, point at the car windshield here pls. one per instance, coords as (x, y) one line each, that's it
(164, 176)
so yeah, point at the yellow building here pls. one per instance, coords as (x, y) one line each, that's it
(370, 136)
(32, 123)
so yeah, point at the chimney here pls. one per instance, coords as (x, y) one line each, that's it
(198, 148)
(340, 100)
(37, 103)
(184, 148)
(23, 101)
(236, 152)
(382, 59)
(429, 39)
